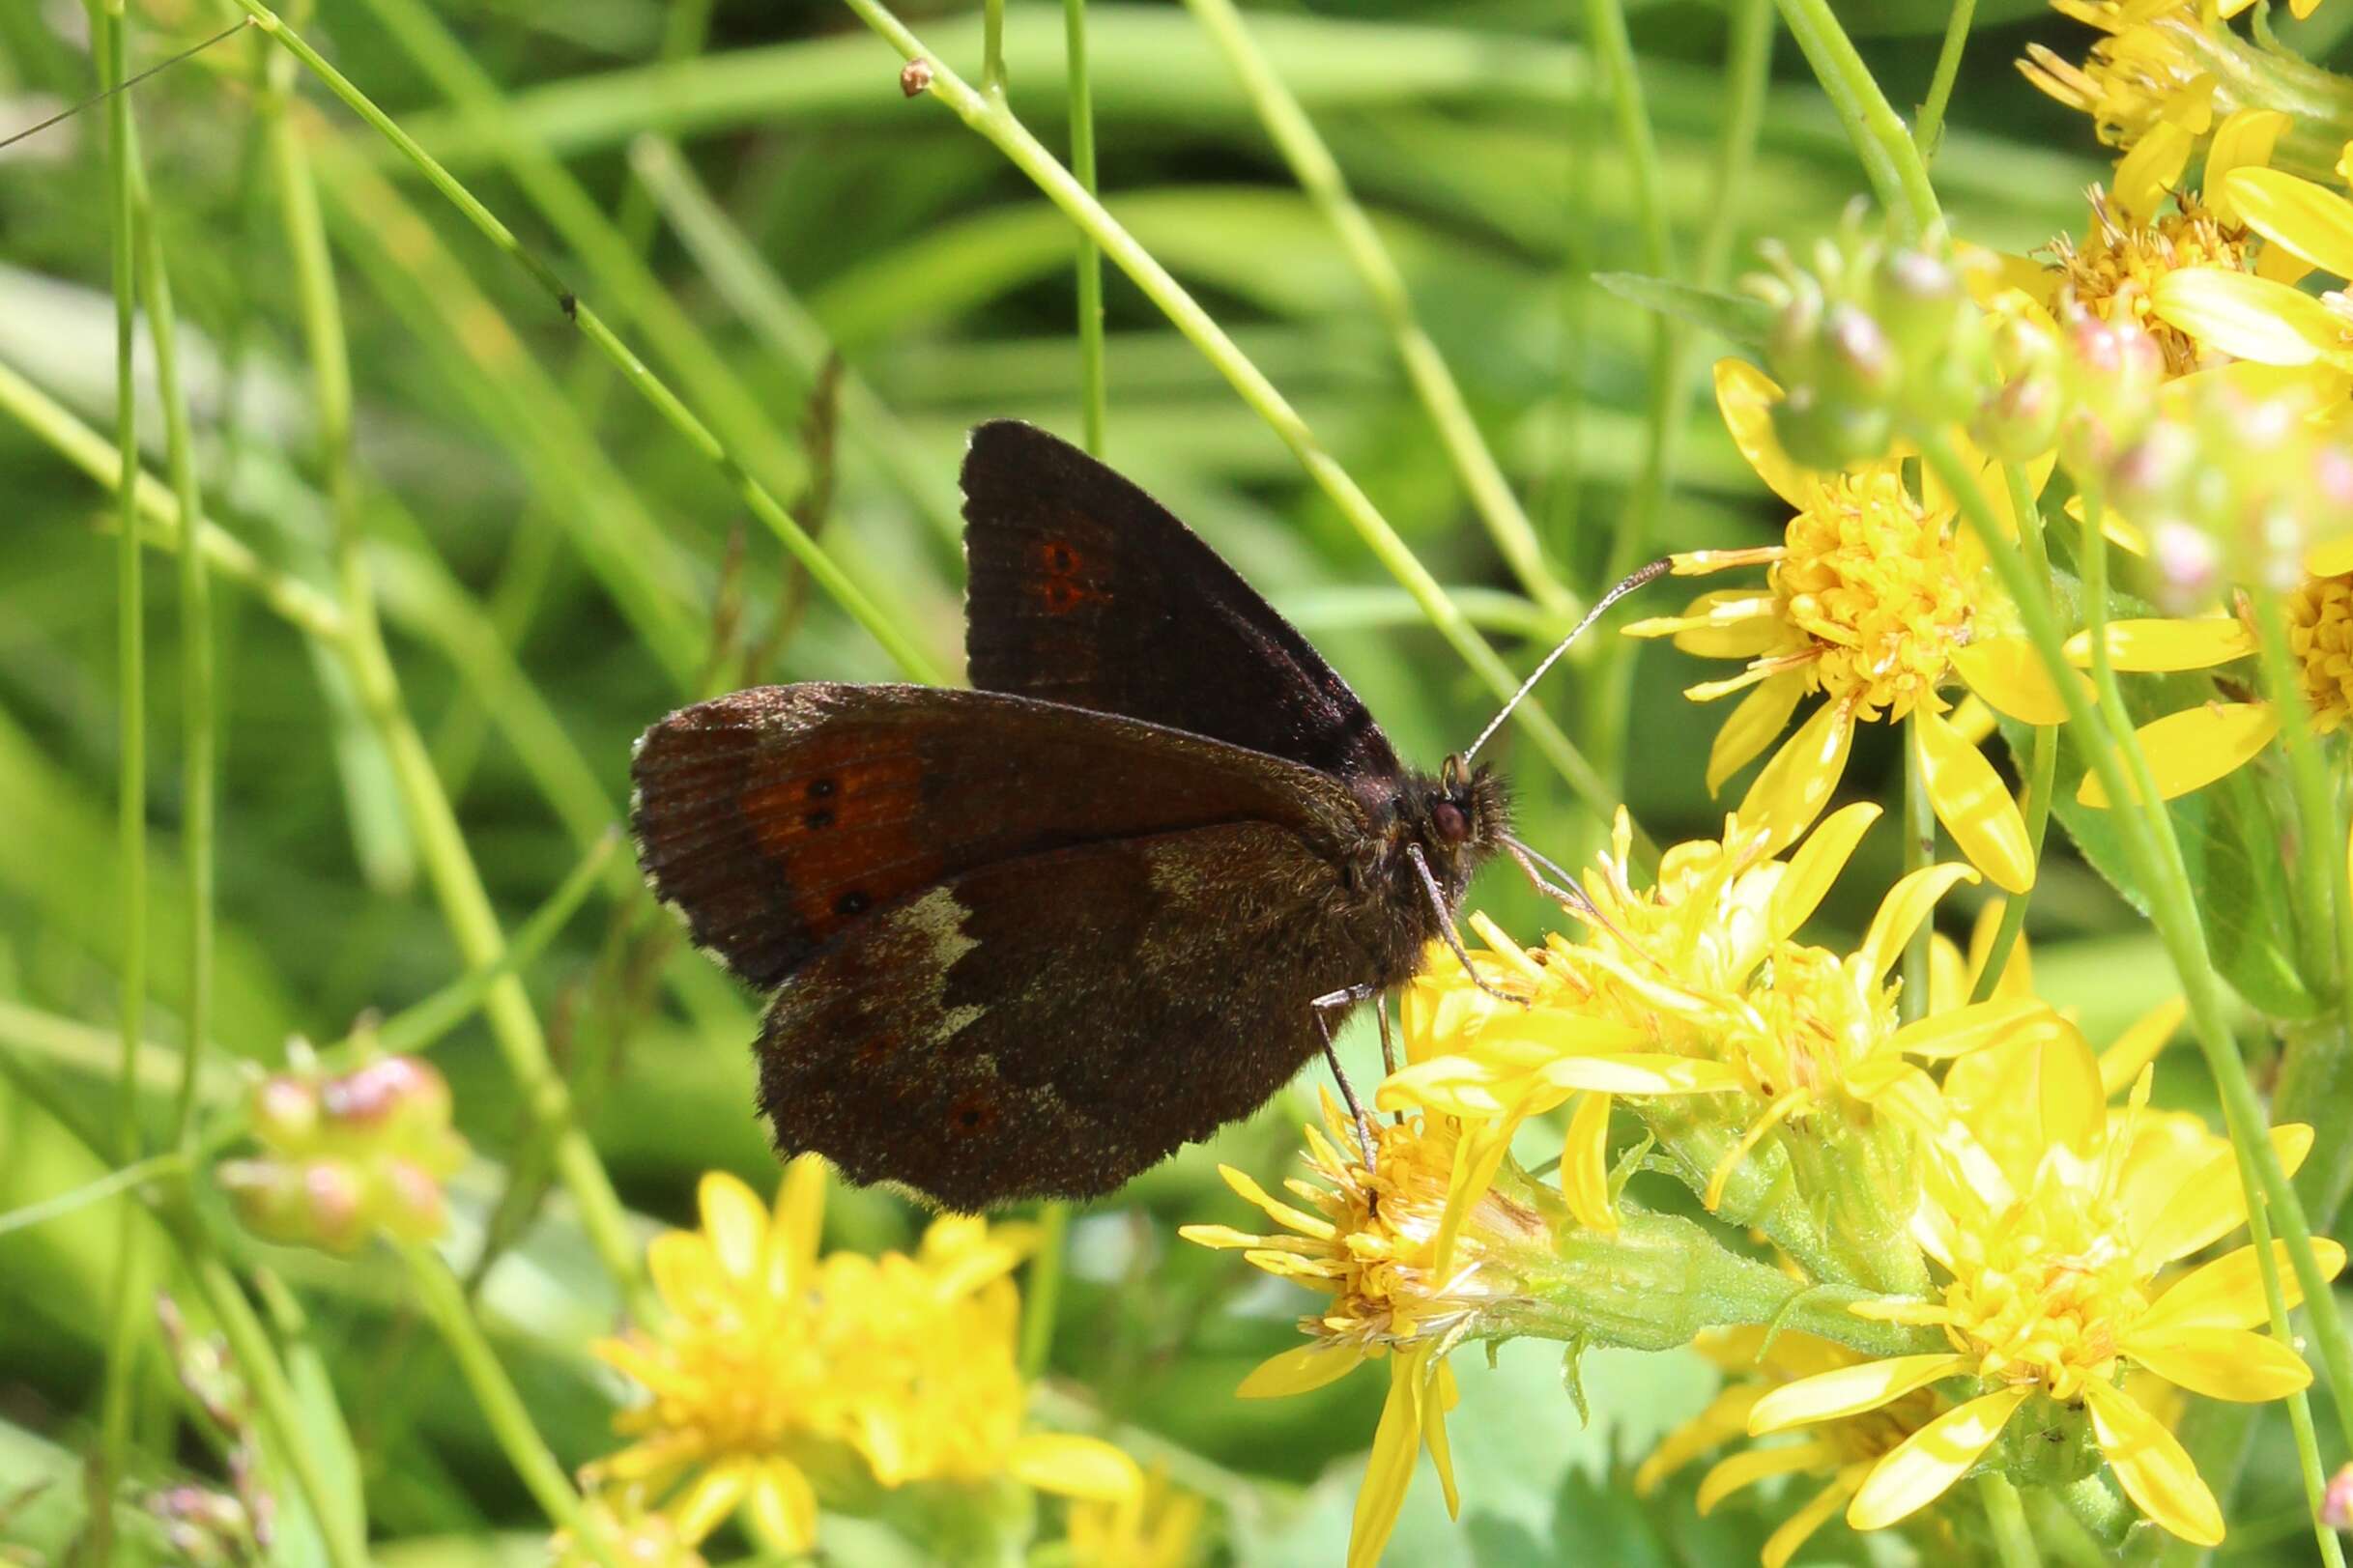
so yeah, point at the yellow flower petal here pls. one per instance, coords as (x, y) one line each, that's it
(1942, 1036)
(1390, 1467)
(2189, 750)
(784, 1508)
(1725, 1418)
(2228, 1292)
(1750, 1465)
(709, 1498)
(2009, 674)
(2138, 1046)
(1282, 1213)
(2221, 1363)
(2208, 1204)
(2250, 317)
(1434, 1407)
(1815, 864)
(1972, 802)
(1585, 1164)
(1299, 1370)
(1799, 1527)
(2243, 140)
(801, 1216)
(1919, 1470)
(735, 1220)
(1745, 396)
(2151, 169)
(2332, 558)
(2153, 1469)
(1645, 1075)
(2311, 220)
(1900, 914)
(1849, 1390)
(1797, 783)
(1750, 728)
(1071, 1465)
(2169, 644)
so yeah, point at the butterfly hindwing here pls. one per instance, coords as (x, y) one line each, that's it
(779, 818)
(1083, 589)
(1053, 1023)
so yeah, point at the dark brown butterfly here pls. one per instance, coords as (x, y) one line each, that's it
(1028, 939)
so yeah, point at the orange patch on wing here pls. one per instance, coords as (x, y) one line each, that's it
(1062, 577)
(842, 832)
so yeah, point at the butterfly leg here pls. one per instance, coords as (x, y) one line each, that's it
(1338, 1001)
(1446, 927)
(1567, 891)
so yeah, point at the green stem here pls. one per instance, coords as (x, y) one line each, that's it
(2042, 768)
(756, 496)
(1092, 393)
(273, 1395)
(994, 123)
(993, 49)
(2006, 1516)
(2320, 882)
(1318, 173)
(2146, 828)
(1919, 853)
(199, 722)
(1044, 1295)
(122, 1372)
(511, 1420)
(1890, 160)
(1930, 131)
(171, 1162)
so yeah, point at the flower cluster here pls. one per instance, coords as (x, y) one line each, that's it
(1981, 1250)
(781, 1377)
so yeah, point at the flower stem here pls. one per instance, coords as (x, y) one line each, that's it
(122, 1372)
(1891, 160)
(1042, 1296)
(1919, 853)
(2042, 768)
(510, 1421)
(1092, 393)
(1318, 173)
(996, 125)
(1930, 131)
(2321, 891)
(2012, 1541)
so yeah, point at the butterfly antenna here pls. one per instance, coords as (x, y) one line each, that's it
(1642, 575)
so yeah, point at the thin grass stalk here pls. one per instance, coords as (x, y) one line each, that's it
(110, 1456)
(1318, 173)
(1929, 131)
(534, 1464)
(755, 292)
(199, 722)
(1892, 161)
(529, 564)
(2006, 1523)
(2147, 837)
(1092, 391)
(673, 410)
(996, 125)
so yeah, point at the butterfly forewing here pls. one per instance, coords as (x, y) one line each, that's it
(1083, 589)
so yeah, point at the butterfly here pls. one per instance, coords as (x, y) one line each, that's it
(1028, 939)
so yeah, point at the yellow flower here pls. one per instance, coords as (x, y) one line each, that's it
(1844, 1450)
(1408, 1281)
(638, 1536)
(2265, 318)
(1697, 986)
(1158, 1527)
(777, 1372)
(2050, 1215)
(1876, 599)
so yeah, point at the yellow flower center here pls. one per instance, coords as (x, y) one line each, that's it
(1880, 589)
(2113, 273)
(2044, 1298)
(1806, 1023)
(2320, 630)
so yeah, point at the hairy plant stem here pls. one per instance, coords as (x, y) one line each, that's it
(1891, 160)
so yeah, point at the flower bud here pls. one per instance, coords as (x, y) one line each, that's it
(346, 1154)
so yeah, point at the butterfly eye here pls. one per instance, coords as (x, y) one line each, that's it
(1453, 826)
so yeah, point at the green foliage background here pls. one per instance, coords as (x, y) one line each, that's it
(549, 565)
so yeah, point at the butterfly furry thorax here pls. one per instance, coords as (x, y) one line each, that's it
(1031, 937)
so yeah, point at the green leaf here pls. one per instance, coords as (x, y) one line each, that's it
(1735, 316)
